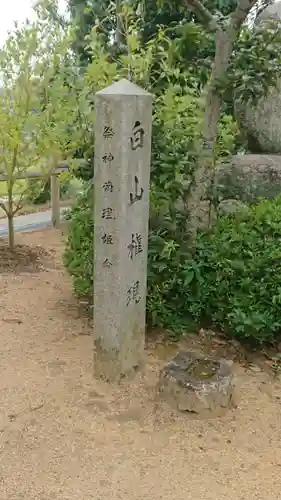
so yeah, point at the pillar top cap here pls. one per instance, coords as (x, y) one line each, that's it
(123, 87)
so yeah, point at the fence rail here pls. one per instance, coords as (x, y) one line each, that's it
(36, 174)
(55, 185)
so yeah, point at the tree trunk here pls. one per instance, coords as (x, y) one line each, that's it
(198, 204)
(11, 233)
(10, 216)
(119, 30)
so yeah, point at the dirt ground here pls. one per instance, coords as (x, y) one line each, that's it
(66, 436)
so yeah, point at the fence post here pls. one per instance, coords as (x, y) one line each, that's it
(55, 200)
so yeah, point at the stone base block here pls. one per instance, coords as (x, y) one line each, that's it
(197, 384)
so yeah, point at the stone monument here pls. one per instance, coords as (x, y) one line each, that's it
(121, 201)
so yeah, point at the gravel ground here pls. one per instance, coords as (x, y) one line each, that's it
(65, 436)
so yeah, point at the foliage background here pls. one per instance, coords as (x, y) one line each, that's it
(227, 276)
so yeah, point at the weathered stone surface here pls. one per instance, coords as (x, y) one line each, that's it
(230, 206)
(272, 11)
(242, 180)
(121, 185)
(262, 122)
(197, 384)
(247, 178)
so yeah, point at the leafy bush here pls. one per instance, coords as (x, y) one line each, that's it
(175, 147)
(78, 255)
(175, 141)
(235, 273)
(233, 279)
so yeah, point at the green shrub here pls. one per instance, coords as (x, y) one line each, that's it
(232, 281)
(78, 255)
(235, 274)
(167, 282)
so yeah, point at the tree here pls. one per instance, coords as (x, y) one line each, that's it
(227, 30)
(33, 135)
(84, 16)
(171, 16)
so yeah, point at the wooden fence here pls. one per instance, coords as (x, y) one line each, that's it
(55, 186)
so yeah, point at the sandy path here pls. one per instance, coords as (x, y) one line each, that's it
(64, 436)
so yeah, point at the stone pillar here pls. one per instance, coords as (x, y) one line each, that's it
(121, 200)
(55, 200)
